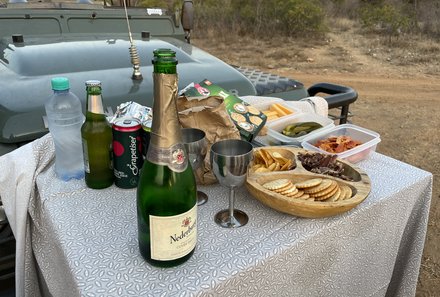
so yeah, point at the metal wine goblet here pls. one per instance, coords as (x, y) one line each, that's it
(196, 146)
(229, 162)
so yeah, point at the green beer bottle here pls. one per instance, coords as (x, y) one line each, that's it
(97, 140)
(166, 193)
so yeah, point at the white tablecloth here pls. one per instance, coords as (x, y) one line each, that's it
(85, 243)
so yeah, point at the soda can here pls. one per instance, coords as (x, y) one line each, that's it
(127, 152)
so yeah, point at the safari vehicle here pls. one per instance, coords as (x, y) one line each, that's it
(114, 44)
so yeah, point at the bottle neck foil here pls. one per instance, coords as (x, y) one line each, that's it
(94, 104)
(166, 147)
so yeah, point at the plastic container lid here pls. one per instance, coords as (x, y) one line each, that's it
(60, 83)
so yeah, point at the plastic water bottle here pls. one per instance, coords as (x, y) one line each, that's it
(65, 119)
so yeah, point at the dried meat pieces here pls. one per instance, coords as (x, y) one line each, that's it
(337, 144)
(323, 164)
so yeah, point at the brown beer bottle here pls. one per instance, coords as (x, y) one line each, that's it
(97, 140)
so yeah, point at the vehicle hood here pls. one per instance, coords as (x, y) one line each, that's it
(26, 70)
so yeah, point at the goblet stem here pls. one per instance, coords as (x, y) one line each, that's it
(231, 205)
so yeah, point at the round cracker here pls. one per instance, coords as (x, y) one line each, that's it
(343, 191)
(335, 196)
(348, 192)
(304, 196)
(291, 191)
(299, 193)
(325, 183)
(285, 188)
(331, 188)
(308, 183)
(276, 184)
(328, 194)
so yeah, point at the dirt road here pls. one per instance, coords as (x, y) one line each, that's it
(397, 99)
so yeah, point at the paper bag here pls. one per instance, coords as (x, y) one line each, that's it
(210, 115)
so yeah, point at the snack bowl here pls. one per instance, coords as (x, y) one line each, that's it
(368, 138)
(359, 188)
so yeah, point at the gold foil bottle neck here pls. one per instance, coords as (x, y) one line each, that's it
(165, 130)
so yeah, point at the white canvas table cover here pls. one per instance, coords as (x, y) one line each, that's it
(85, 243)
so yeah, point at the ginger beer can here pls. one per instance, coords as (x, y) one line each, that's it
(127, 152)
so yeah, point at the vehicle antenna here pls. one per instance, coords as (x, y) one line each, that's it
(137, 75)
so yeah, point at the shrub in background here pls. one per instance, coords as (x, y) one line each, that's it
(261, 17)
(385, 19)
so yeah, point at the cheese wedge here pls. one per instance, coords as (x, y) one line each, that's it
(280, 110)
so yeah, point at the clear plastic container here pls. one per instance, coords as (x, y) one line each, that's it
(65, 117)
(369, 140)
(275, 128)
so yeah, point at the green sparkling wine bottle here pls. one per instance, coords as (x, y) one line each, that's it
(166, 193)
(97, 140)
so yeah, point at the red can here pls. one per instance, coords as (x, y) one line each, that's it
(127, 152)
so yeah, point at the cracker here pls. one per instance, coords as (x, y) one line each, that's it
(291, 191)
(335, 196)
(276, 184)
(308, 183)
(343, 191)
(348, 192)
(285, 188)
(331, 188)
(299, 193)
(328, 195)
(304, 196)
(325, 183)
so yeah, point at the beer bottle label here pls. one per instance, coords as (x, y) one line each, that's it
(86, 156)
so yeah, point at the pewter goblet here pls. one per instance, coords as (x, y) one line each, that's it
(229, 162)
(196, 146)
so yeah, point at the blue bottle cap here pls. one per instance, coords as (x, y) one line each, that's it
(60, 83)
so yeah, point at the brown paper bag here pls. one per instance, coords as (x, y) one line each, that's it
(209, 115)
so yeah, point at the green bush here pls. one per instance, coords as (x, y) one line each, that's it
(261, 17)
(385, 19)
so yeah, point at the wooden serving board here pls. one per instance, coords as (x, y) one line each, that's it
(361, 186)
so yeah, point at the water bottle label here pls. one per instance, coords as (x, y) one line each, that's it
(173, 237)
(174, 157)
